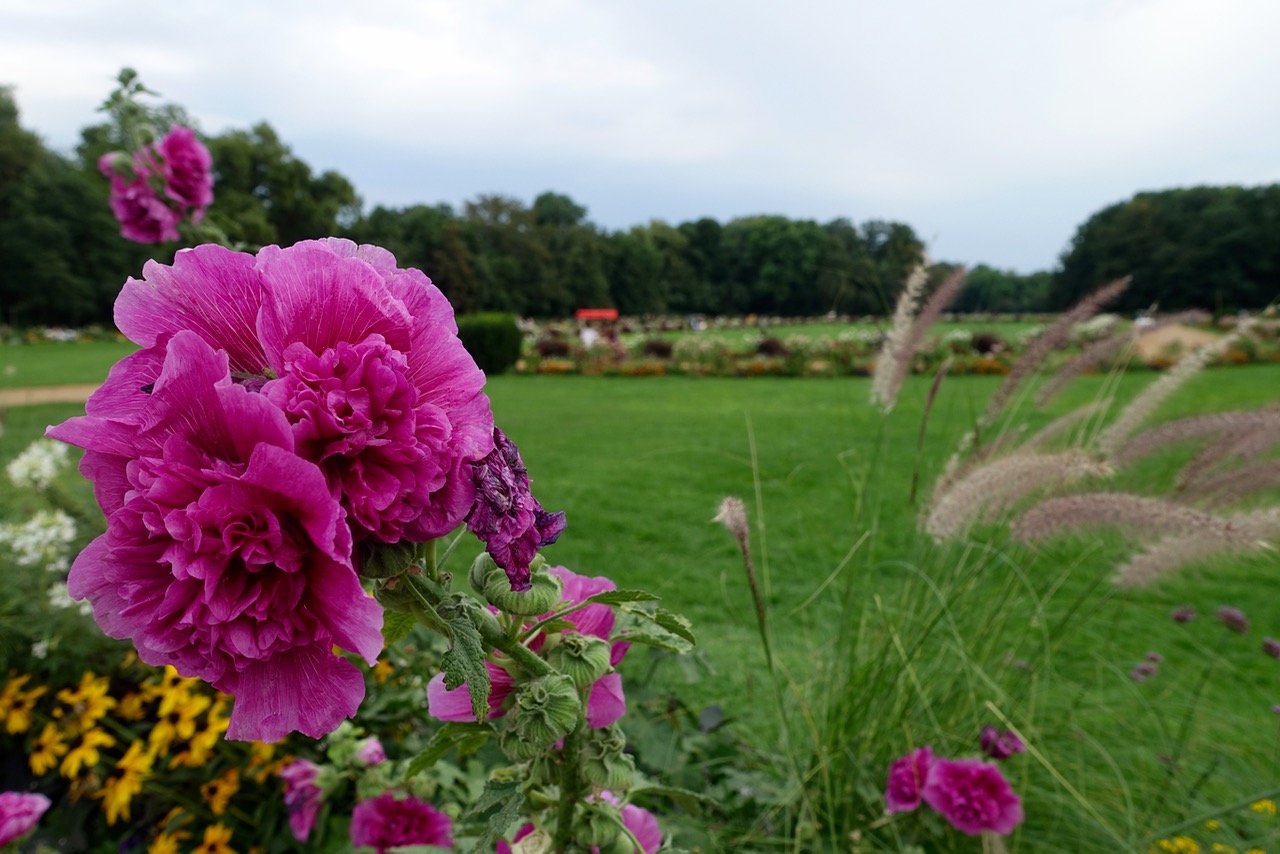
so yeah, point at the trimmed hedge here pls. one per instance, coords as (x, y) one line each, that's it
(492, 339)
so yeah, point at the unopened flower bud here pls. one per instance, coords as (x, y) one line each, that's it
(605, 763)
(545, 711)
(584, 658)
(597, 825)
(491, 581)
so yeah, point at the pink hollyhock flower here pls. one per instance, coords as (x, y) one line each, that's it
(506, 517)
(143, 215)
(906, 780)
(19, 814)
(302, 797)
(225, 554)
(188, 171)
(972, 795)
(390, 822)
(370, 752)
(363, 359)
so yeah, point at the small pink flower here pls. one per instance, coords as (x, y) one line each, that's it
(972, 795)
(1271, 647)
(1000, 744)
(1234, 619)
(143, 215)
(1184, 614)
(391, 822)
(370, 752)
(302, 797)
(19, 814)
(188, 171)
(907, 778)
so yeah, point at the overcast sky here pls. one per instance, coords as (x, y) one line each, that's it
(992, 128)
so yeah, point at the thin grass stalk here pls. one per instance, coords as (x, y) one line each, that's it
(938, 376)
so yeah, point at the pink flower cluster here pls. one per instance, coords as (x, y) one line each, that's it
(152, 190)
(970, 794)
(286, 409)
(606, 704)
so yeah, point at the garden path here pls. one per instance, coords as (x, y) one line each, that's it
(46, 394)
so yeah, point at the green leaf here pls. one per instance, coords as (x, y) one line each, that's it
(466, 737)
(396, 626)
(509, 798)
(667, 630)
(464, 662)
(621, 597)
(686, 799)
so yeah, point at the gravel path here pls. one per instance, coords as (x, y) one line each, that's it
(46, 394)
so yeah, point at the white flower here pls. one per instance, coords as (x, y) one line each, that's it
(43, 540)
(37, 467)
(40, 649)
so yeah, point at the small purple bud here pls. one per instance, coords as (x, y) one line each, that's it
(1271, 647)
(1000, 744)
(1155, 657)
(1185, 614)
(1143, 671)
(1234, 619)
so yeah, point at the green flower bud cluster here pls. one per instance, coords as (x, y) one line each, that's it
(490, 581)
(584, 658)
(387, 560)
(545, 711)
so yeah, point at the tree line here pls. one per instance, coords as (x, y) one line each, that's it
(62, 260)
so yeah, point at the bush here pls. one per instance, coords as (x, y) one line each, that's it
(492, 339)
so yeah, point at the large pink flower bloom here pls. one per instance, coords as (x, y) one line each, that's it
(906, 778)
(188, 171)
(225, 554)
(972, 795)
(363, 359)
(143, 215)
(302, 797)
(19, 814)
(390, 822)
(606, 703)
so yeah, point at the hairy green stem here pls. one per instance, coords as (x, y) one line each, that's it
(570, 787)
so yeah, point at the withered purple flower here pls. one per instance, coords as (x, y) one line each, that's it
(506, 517)
(1184, 614)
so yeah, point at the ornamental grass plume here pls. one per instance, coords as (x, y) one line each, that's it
(908, 330)
(1244, 442)
(1208, 426)
(996, 486)
(1100, 352)
(1053, 337)
(1113, 437)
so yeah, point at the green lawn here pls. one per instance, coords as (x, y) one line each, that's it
(640, 466)
(31, 365)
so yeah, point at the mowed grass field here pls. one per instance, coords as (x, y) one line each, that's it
(640, 466)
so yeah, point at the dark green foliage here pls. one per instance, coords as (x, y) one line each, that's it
(1203, 247)
(492, 339)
